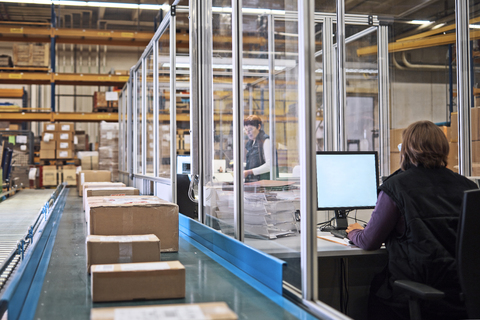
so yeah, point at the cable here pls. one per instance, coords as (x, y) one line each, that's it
(191, 191)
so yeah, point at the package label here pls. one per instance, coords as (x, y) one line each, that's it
(104, 267)
(145, 266)
(65, 127)
(166, 313)
(131, 201)
(63, 145)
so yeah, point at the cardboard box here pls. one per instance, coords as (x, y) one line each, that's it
(134, 215)
(69, 174)
(207, 310)
(395, 139)
(47, 154)
(31, 55)
(104, 184)
(49, 175)
(14, 127)
(394, 161)
(454, 126)
(90, 163)
(49, 127)
(133, 281)
(452, 155)
(475, 119)
(50, 145)
(65, 127)
(122, 249)
(92, 176)
(48, 136)
(64, 145)
(64, 154)
(476, 169)
(475, 151)
(108, 191)
(64, 136)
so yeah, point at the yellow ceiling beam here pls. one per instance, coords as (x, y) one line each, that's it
(59, 116)
(434, 41)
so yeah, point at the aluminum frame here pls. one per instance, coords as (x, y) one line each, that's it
(383, 100)
(464, 87)
(341, 81)
(144, 113)
(271, 97)
(173, 107)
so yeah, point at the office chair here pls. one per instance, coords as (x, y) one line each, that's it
(468, 261)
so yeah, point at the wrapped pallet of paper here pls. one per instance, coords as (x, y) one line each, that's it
(92, 176)
(207, 310)
(108, 191)
(117, 216)
(134, 281)
(122, 249)
(108, 148)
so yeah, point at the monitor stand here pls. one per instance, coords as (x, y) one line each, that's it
(341, 219)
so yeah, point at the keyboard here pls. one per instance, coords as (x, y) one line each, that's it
(339, 233)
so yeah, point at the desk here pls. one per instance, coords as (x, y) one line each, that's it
(339, 267)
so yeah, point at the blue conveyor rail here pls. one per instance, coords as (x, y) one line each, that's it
(31, 252)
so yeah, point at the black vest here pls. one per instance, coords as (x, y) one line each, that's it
(256, 156)
(430, 200)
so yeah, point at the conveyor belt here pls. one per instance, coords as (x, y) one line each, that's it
(17, 214)
(66, 288)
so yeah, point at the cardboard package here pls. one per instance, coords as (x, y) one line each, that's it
(134, 215)
(47, 154)
(49, 175)
(133, 281)
(48, 136)
(14, 127)
(394, 161)
(64, 154)
(101, 184)
(207, 310)
(395, 139)
(65, 126)
(49, 127)
(65, 145)
(108, 191)
(122, 249)
(50, 145)
(92, 176)
(69, 175)
(64, 136)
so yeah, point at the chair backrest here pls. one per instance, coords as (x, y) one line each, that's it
(468, 252)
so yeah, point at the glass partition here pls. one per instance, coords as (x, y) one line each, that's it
(164, 105)
(138, 122)
(475, 114)
(149, 139)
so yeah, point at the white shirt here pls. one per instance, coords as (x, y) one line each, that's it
(267, 151)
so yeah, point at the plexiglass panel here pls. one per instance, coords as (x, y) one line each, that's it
(138, 126)
(164, 105)
(149, 115)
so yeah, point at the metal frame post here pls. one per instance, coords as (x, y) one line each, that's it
(341, 83)
(173, 104)
(307, 148)
(238, 114)
(271, 96)
(156, 133)
(144, 115)
(464, 89)
(129, 127)
(201, 95)
(383, 100)
(52, 58)
(329, 122)
(135, 131)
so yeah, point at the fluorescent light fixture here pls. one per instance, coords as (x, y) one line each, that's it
(438, 26)
(475, 26)
(96, 4)
(420, 22)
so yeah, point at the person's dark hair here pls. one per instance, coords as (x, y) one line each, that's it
(423, 144)
(253, 120)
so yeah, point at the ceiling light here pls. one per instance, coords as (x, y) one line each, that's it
(420, 22)
(249, 11)
(96, 4)
(475, 26)
(438, 26)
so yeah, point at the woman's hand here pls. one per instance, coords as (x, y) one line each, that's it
(247, 173)
(354, 226)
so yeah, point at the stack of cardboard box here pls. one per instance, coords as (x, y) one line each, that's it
(183, 141)
(108, 150)
(48, 145)
(64, 137)
(475, 135)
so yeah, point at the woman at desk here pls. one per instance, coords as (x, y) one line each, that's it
(259, 153)
(416, 216)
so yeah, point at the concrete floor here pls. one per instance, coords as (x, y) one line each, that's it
(66, 288)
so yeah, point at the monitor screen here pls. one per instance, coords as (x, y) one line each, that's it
(183, 164)
(346, 180)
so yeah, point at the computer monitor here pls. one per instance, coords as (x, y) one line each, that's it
(345, 181)
(184, 163)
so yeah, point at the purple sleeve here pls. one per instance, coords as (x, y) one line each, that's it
(383, 221)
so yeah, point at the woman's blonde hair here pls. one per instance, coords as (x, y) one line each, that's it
(423, 144)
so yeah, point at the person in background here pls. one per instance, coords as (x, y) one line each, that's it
(258, 150)
(416, 216)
